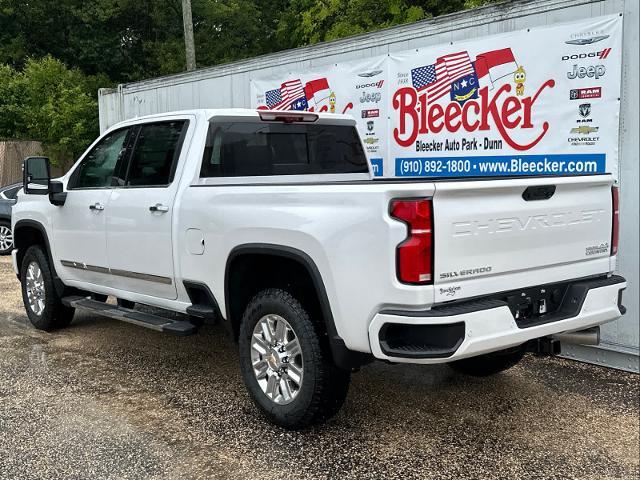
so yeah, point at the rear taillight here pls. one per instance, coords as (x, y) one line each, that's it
(615, 227)
(414, 256)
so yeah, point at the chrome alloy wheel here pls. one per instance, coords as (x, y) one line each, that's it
(277, 359)
(6, 238)
(35, 288)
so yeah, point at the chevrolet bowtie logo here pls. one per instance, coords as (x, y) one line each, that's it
(584, 129)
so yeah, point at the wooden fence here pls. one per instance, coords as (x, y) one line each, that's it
(13, 152)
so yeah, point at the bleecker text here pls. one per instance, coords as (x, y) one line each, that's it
(419, 117)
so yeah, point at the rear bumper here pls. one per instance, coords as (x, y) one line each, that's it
(447, 333)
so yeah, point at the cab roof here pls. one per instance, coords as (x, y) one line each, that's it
(249, 113)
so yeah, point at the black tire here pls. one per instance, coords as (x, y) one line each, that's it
(5, 229)
(54, 315)
(324, 386)
(489, 364)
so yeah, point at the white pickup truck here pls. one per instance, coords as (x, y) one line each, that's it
(272, 223)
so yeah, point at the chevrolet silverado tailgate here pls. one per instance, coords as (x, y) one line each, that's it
(497, 235)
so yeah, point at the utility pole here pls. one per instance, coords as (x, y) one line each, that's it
(189, 44)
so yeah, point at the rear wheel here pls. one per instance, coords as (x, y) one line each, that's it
(41, 301)
(6, 238)
(490, 364)
(285, 363)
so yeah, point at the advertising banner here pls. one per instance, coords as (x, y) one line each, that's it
(359, 88)
(542, 101)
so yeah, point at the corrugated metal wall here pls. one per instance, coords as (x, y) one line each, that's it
(228, 86)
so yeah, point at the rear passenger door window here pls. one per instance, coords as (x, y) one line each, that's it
(155, 154)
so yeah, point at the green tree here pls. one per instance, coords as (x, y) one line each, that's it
(60, 107)
(49, 102)
(227, 31)
(128, 40)
(133, 39)
(11, 100)
(84, 34)
(311, 21)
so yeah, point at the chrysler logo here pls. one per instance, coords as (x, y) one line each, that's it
(586, 40)
(372, 73)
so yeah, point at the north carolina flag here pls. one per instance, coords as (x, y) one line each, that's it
(493, 65)
(437, 78)
(318, 90)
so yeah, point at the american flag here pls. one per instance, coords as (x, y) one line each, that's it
(273, 98)
(282, 98)
(437, 78)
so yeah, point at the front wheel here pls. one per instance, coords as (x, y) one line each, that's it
(489, 364)
(44, 307)
(286, 362)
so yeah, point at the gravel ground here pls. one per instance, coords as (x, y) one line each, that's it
(104, 399)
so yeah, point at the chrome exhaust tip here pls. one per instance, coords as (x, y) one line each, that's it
(590, 336)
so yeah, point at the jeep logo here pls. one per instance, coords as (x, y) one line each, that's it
(370, 97)
(592, 71)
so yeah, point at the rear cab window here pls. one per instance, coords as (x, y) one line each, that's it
(255, 149)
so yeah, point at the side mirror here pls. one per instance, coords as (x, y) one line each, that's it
(36, 176)
(57, 195)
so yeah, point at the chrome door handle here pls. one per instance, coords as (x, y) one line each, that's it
(158, 207)
(96, 206)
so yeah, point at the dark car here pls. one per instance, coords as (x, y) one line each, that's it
(7, 199)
